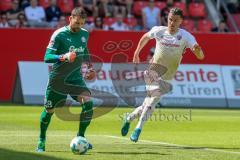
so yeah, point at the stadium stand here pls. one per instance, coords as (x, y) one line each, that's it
(109, 21)
(66, 6)
(44, 3)
(160, 5)
(138, 6)
(236, 18)
(131, 22)
(204, 25)
(182, 6)
(195, 12)
(5, 5)
(189, 24)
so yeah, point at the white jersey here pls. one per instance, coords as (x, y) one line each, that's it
(170, 48)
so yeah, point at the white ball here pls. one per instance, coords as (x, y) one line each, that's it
(79, 145)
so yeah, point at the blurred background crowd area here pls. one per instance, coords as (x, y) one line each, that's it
(122, 15)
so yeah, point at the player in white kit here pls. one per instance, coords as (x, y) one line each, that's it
(171, 42)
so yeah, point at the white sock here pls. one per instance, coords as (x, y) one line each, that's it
(146, 114)
(150, 104)
(135, 114)
(138, 111)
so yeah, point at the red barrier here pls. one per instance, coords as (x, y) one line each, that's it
(30, 44)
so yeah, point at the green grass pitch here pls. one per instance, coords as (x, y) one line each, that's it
(197, 134)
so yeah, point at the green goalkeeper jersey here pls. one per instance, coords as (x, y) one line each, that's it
(64, 41)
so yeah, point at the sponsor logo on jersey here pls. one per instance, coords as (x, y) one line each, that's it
(73, 49)
(83, 39)
(170, 44)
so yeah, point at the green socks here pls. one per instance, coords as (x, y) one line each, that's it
(85, 117)
(44, 122)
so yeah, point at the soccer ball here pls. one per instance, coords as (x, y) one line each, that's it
(79, 145)
(90, 75)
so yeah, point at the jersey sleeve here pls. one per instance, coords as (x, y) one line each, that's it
(50, 54)
(152, 33)
(190, 40)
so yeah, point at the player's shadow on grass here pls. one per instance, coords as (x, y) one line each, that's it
(6, 154)
(193, 148)
(175, 147)
(172, 147)
(182, 147)
(132, 153)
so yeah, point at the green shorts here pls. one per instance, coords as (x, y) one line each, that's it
(57, 98)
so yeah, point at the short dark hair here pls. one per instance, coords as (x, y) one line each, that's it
(177, 11)
(78, 11)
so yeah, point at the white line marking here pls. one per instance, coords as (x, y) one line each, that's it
(127, 139)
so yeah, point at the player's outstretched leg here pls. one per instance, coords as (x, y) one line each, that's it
(125, 126)
(85, 119)
(44, 122)
(148, 109)
(128, 118)
(146, 113)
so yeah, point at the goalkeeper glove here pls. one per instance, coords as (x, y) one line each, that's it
(69, 57)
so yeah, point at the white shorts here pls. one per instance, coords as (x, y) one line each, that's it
(156, 85)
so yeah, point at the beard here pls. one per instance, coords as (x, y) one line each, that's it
(75, 28)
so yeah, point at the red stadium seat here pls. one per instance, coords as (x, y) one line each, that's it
(204, 25)
(138, 6)
(197, 10)
(5, 5)
(188, 24)
(44, 3)
(236, 18)
(109, 21)
(131, 22)
(160, 5)
(90, 19)
(66, 6)
(67, 18)
(182, 6)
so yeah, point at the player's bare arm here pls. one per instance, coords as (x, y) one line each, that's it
(197, 50)
(143, 41)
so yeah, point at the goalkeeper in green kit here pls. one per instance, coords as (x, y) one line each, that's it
(67, 49)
